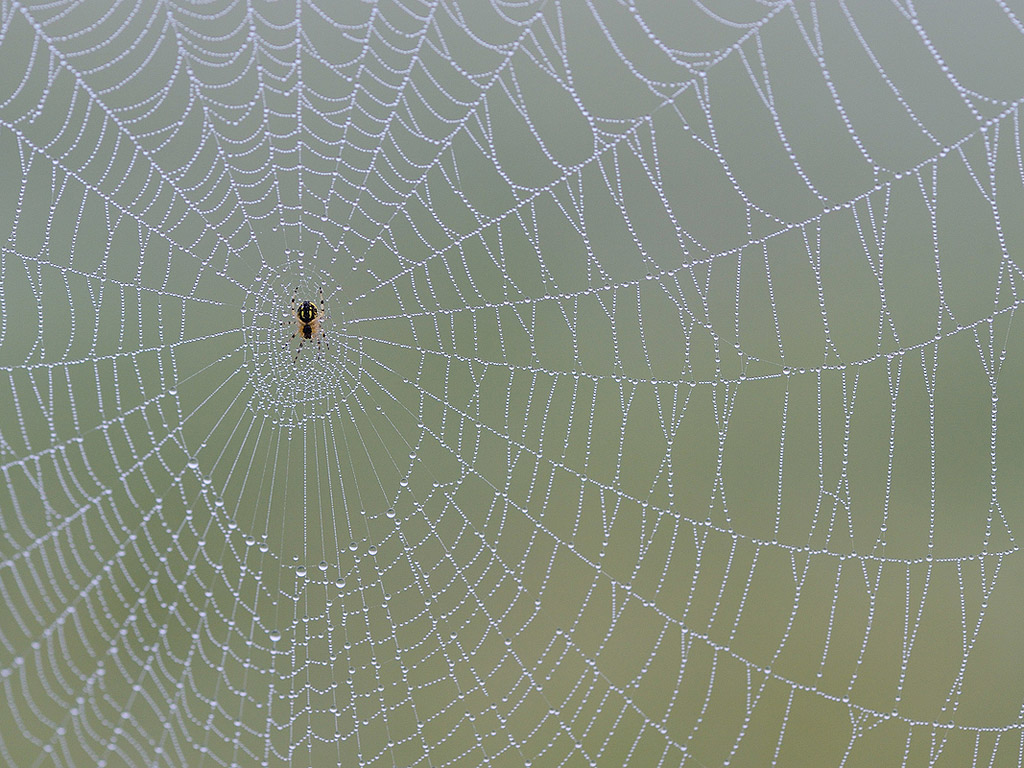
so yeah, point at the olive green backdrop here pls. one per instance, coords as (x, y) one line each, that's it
(667, 409)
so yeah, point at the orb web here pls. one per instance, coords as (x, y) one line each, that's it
(668, 410)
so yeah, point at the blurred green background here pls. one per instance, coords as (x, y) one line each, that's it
(667, 410)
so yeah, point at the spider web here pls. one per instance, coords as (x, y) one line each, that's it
(670, 413)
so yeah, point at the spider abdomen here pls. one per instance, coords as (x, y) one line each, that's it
(306, 312)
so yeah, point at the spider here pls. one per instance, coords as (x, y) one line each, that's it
(308, 321)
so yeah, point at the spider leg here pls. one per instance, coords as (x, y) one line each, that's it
(321, 336)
